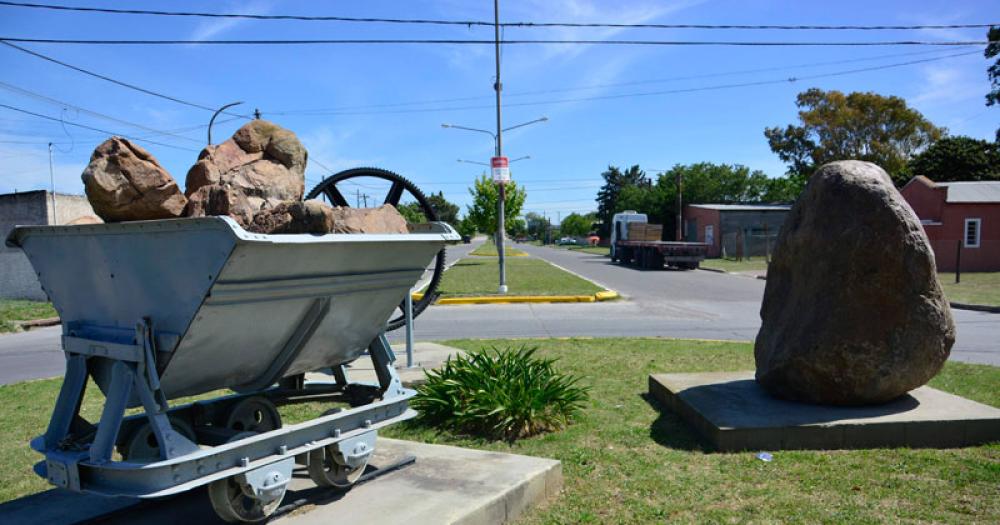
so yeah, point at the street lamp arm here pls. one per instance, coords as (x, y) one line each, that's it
(543, 119)
(490, 133)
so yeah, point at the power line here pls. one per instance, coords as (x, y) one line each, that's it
(660, 92)
(376, 41)
(39, 115)
(117, 82)
(38, 96)
(601, 86)
(469, 23)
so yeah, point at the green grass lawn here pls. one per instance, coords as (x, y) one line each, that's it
(12, 310)
(596, 250)
(525, 276)
(975, 288)
(626, 460)
(489, 249)
(754, 264)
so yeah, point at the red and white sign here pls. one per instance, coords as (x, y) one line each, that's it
(501, 169)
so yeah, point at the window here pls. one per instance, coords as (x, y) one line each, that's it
(972, 227)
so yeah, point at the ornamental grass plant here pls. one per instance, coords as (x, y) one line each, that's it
(501, 394)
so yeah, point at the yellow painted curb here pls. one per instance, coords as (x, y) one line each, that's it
(604, 295)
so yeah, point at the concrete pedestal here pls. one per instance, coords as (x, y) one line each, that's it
(446, 485)
(734, 413)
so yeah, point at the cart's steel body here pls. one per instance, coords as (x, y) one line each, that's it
(155, 310)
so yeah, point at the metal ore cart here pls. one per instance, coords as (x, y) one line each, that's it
(156, 310)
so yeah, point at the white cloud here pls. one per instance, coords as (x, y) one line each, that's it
(216, 26)
(325, 146)
(26, 167)
(946, 85)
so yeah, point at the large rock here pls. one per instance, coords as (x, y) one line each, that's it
(218, 199)
(125, 183)
(310, 216)
(263, 161)
(315, 216)
(384, 219)
(853, 312)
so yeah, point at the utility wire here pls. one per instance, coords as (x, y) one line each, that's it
(661, 92)
(118, 82)
(348, 41)
(38, 96)
(39, 115)
(307, 18)
(605, 85)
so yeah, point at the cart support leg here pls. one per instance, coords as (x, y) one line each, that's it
(382, 359)
(115, 403)
(68, 404)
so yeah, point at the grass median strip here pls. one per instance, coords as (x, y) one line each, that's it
(525, 277)
(490, 250)
(13, 310)
(755, 264)
(975, 288)
(626, 460)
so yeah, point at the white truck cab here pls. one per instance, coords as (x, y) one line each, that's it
(619, 227)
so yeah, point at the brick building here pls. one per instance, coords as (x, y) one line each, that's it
(962, 221)
(17, 277)
(734, 229)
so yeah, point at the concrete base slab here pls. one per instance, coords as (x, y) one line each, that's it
(734, 413)
(426, 356)
(444, 485)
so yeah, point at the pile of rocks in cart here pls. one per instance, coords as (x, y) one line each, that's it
(257, 177)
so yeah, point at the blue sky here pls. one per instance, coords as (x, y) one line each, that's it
(367, 84)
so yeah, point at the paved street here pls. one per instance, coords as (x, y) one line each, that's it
(696, 304)
(691, 304)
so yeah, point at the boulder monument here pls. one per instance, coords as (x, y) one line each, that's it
(853, 313)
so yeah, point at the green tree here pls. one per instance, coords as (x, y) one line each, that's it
(993, 73)
(446, 211)
(412, 212)
(483, 211)
(958, 158)
(536, 225)
(862, 126)
(466, 227)
(575, 225)
(607, 197)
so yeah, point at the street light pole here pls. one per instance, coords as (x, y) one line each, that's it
(497, 86)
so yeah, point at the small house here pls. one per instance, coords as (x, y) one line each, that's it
(962, 221)
(734, 230)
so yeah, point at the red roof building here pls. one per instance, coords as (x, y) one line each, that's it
(962, 221)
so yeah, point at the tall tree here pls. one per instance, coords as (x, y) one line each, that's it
(992, 50)
(958, 158)
(536, 225)
(614, 181)
(862, 126)
(446, 211)
(575, 225)
(483, 211)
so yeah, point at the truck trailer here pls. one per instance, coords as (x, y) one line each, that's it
(636, 242)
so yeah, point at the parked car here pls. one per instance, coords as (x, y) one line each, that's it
(467, 238)
(566, 241)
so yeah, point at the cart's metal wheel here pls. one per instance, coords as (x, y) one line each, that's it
(325, 471)
(235, 503)
(327, 188)
(141, 444)
(253, 414)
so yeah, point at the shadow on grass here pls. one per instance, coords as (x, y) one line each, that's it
(670, 431)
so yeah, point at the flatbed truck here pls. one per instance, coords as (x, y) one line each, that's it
(651, 254)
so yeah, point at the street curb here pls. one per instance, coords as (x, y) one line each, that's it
(603, 295)
(976, 307)
(495, 256)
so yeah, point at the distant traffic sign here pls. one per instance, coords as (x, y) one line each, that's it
(501, 169)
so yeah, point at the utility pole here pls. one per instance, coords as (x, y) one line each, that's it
(357, 198)
(498, 86)
(52, 186)
(680, 212)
